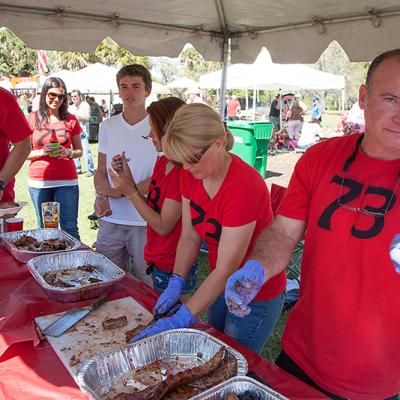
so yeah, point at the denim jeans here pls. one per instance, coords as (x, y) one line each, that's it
(86, 153)
(252, 330)
(161, 278)
(68, 197)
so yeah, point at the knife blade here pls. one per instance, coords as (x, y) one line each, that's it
(167, 313)
(70, 318)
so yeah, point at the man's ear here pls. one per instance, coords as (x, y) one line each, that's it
(363, 96)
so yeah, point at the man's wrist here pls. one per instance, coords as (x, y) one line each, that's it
(100, 196)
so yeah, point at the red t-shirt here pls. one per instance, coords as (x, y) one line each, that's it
(344, 331)
(232, 108)
(161, 250)
(13, 128)
(242, 198)
(50, 168)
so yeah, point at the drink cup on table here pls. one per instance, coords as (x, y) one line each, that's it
(50, 214)
(14, 224)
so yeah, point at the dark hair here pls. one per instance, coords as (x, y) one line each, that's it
(162, 111)
(43, 113)
(136, 70)
(378, 61)
(78, 92)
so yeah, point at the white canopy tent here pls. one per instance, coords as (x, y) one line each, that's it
(292, 31)
(184, 83)
(97, 79)
(263, 74)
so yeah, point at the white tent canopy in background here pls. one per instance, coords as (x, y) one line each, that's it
(97, 78)
(263, 74)
(184, 83)
(293, 31)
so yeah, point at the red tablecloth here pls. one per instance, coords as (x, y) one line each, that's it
(30, 370)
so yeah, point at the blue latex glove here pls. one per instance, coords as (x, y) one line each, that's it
(395, 252)
(242, 286)
(182, 319)
(170, 296)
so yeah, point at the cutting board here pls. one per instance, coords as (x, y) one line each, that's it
(87, 338)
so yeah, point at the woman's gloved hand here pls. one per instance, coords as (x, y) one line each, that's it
(170, 296)
(183, 318)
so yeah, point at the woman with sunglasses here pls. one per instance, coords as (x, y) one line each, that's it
(162, 209)
(226, 203)
(52, 174)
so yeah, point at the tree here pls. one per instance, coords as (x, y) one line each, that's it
(194, 64)
(16, 58)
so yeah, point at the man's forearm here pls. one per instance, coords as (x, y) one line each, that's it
(102, 186)
(275, 244)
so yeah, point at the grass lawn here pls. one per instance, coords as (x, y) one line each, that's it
(88, 235)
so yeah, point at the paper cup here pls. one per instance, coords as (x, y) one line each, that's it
(14, 224)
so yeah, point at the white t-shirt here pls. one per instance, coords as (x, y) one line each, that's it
(84, 110)
(115, 136)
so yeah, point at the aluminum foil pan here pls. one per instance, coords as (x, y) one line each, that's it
(107, 271)
(101, 375)
(240, 385)
(24, 256)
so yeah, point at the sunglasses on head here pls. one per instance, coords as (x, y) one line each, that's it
(53, 96)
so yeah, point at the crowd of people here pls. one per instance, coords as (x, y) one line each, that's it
(342, 335)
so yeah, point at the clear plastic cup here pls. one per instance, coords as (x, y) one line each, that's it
(51, 214)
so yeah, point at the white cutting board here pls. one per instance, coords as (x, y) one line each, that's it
(87, 338)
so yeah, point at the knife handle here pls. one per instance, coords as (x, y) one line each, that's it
(101, 300)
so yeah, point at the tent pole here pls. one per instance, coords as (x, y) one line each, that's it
(343, 99)
(225, 55)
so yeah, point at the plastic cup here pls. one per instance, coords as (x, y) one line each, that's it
(14, 224)
(50, 214)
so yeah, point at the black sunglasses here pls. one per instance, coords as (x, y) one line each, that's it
(53, 95)
(346, 166)
(197, 157)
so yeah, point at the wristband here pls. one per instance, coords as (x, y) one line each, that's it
(133, 195)
(100, 196)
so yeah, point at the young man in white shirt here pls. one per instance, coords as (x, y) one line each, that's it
(122, 232)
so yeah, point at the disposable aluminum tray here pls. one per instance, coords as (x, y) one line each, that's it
(239, 385)
(107, 270)
(24, 256)
(101, 373)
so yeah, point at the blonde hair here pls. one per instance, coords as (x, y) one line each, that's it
(194, 125)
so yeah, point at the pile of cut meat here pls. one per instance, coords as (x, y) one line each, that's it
(29, 243)
(73, 277)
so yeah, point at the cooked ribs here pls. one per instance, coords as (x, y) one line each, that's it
(172, 382)
(26, 242)
(72, 277)
(133, 332)
(113, 323)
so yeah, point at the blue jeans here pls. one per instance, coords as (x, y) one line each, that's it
(86, 153)
(253, 330)
(161, 278)
(68, 197)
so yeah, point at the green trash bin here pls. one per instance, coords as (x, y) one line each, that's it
(261, 132)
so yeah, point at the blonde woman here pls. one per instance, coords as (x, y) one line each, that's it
(226, 203)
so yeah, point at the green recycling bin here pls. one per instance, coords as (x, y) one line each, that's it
(252, 142)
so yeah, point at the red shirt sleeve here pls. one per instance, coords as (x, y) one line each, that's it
(173, 191)
(13, 124)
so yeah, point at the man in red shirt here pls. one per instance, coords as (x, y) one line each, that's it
(342, 336)
(233, 108)
(13, 129)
